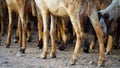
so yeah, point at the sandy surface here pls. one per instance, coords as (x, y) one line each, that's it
(11, 58)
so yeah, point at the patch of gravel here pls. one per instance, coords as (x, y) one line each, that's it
(11, 58)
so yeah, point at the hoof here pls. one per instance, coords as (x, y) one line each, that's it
(52, 55)
(44, 56)
(62, 47)
(107, 53)
(2, 34)
(7, 46)
(86, 47)
(22, 51)
(40, 44)
(72, 61)
(86, 50)
(101, 65)
(29, 39)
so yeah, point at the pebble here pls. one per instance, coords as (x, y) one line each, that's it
(91, 62)
(20, 55)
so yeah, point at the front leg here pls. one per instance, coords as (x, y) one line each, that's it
(23, 24)
(45, 34)
(53, 36)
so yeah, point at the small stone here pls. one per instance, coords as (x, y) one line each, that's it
(91, 62)
(20, 55)
(15, 41)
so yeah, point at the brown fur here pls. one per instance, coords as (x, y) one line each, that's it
(70, 9)
(3, 13)
(28, 19)
(18, 7)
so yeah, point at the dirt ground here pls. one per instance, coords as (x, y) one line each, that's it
(11, 58)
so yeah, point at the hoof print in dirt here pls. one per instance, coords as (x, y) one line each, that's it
(40, 44)
(22, 51)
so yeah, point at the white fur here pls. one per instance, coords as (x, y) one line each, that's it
(113, 10)
(56, 8)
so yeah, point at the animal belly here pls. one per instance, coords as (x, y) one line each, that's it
(59, 12)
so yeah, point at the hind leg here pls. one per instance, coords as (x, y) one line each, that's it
(95, 22)
(64, 34)
(40, 26)
(92, 44)
(29, 31)
(79, 35)
(23, 33)
(9, 28)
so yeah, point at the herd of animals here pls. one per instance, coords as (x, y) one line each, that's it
(61, 22)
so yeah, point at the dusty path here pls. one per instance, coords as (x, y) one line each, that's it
(10, 57)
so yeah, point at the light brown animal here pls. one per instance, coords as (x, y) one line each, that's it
(75, 9)
(18, 6)
(30, 12)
